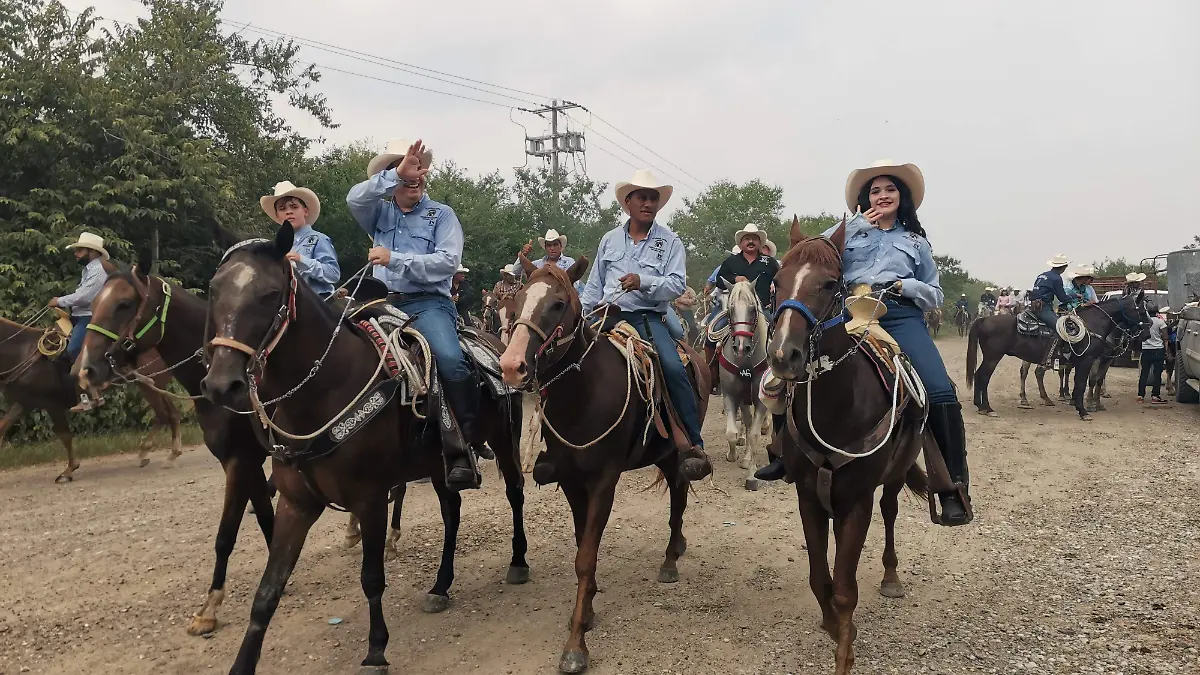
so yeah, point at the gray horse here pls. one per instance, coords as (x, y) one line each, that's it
(743, 359)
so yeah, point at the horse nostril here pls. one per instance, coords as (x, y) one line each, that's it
(522, 368)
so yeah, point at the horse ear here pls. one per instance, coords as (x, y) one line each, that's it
(839, 235)
(284, 238)
(526, 265)
(575, 272)
(797, 234)
(145, 263)
(223, 237)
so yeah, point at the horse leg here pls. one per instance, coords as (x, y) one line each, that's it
(729, 402)
(14, 411)
(353, 532)
(1082, 371)
(677, 544)
(889, 505)
(374, 528)
(238, 487)
(438, 597)
(983, 377)
(391, 550)
(1040, 373)
(529, 431)
(514, 490)
(850, 532)
(750, 428)
(1096, 384)
(1024, 403)
(599, 506)
(293, 523)
(816, 538)
(62, 429)
(1064, 379)
(757, 413)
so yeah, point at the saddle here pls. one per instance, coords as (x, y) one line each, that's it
(1028, 322)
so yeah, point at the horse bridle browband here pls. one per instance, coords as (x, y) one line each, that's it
(129, 341)
(284, 316)
(818, 325)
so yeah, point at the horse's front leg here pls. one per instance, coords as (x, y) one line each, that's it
(729, 402)
(374, 530)
(850, 531)
(1082, 371)
(438, 598)
(599, 507)
(1040, 373)
(755, 438)
(1024, 403)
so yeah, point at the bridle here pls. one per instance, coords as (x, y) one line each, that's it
(837, 309)
(284, 316)
(127, 343)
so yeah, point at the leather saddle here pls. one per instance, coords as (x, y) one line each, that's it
(1028, 323)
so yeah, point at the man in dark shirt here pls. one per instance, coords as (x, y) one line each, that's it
(751, 264)
(462, 294)
(1048, 287)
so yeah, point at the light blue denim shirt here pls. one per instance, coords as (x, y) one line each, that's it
(712, 278)
(658, 260)
(564, 263)
(875, 256)
(318, 264)
(426, 242)
(80, 302)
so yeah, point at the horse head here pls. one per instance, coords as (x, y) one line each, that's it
(128, 319)
(811, 298)
(747, 322)
(547, 316)
(252, 300)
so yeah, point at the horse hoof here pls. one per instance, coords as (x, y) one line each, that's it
(1100, 408)
(64, 478)
(752, 484)
(731, 456)
(435, 604)
(144, 462)
(201, 626)
(891, 589)
(992, 413)
(1048, 403)
(573, 662)
(351, 541)
(1025, 405)
(1085, 418)
(517, 575)
(667, 575)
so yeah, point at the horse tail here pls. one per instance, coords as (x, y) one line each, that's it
(972, 360)
(916, 481)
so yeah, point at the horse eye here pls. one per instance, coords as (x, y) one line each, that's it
(829, 286)
(124, 305)
(558, 306)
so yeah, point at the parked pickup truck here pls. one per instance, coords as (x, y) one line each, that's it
(1187, 363)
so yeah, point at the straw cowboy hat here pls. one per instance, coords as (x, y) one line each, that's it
(396, 148)
(93, 241)
(1059, 260)
(552, 235)
(768, 247)
(1131, 277)
(462, 269)
(286, 189)
(908, 173)
(864, 308)
(989, 288)
(753, 229)
(509, 269)
(643, 180)
(1085, 271)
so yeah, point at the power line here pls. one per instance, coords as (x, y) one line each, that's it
(635, 156)
(405, 84)
(643, 146)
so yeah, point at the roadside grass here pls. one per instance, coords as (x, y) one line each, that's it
(17, 455)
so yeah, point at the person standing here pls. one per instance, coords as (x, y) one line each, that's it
(1154, 355)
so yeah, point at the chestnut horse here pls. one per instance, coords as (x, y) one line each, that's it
(845, 435)
(577, 372)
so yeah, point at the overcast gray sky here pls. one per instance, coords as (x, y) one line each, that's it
(1042, 126)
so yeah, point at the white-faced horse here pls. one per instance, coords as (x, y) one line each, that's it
(743, 358)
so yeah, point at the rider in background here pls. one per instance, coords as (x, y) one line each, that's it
(1049, 286)
(963, 305)
(988, 299)
(461, 293)
(1133, 283)
(1080, 291)
(887, 249)
(312, 253)
(1006, 301)
(710, 348)
(89, 252)
(553, 244)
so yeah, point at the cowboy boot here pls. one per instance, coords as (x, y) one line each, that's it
(462, 397)
(774, 470)
(946, 423)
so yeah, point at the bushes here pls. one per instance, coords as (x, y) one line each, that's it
(124, 409)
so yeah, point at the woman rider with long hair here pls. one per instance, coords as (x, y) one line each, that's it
(887, 249)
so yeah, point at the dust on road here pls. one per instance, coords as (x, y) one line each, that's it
(1083, 558)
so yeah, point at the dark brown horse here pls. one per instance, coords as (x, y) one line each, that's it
(136, 314)
(596, 427)
(31, 381)
(997, 337)
(316, 370)
(844, 436)
(934, 319)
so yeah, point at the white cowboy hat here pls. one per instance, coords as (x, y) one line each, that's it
(735, 250)
(753, 229)
(1085, 271)
(396, 148)
(286, 189)
(1164, 310)
(768, 247)
(1059, 260)
(552, 235)
(1135, 276)
(909, 173)
(643, 180)
(462, 269)
(92, 241)
(509, 269)
(989, 288)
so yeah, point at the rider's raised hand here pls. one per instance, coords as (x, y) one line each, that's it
(410, 168)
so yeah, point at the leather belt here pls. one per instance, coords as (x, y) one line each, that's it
(405, 297)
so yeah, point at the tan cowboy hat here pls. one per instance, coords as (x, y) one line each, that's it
(1135, 276)
(1085, 271)
(1059, 260)
(735, 250)
(768, 247)
(396, 148)
(286, 189)
(643, 180)
(864, 308)
(509, 269)
(909, 173)
(989, 288)
(753, 229)
(93, 241)
(463, 269)
(552, 235)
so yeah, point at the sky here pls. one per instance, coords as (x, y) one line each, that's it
(1041, 127)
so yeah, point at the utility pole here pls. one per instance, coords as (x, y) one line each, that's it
(552, 146)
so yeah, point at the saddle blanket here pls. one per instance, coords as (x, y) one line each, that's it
(1029, 324)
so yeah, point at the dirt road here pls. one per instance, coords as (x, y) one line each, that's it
(1084, 558)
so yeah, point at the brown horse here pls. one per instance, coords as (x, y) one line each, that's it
(316, 371)
(136, 314)
(997, 337)
(934, 319)
(844, 436)
(577, 372)
(31, 381)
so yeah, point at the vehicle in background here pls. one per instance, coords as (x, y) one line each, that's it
(1183, 283)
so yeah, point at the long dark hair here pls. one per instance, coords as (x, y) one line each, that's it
(906, 216)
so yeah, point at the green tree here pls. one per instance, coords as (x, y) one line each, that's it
(706, 223)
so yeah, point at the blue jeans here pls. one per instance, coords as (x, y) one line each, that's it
(673, 326)
(906, 324)
(78, 332)
(1047, 316)
(437, 320)
(652, 328)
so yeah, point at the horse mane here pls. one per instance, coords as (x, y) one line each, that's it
(817, 250)
(559, 275)
(743, 293)
(19, 327)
